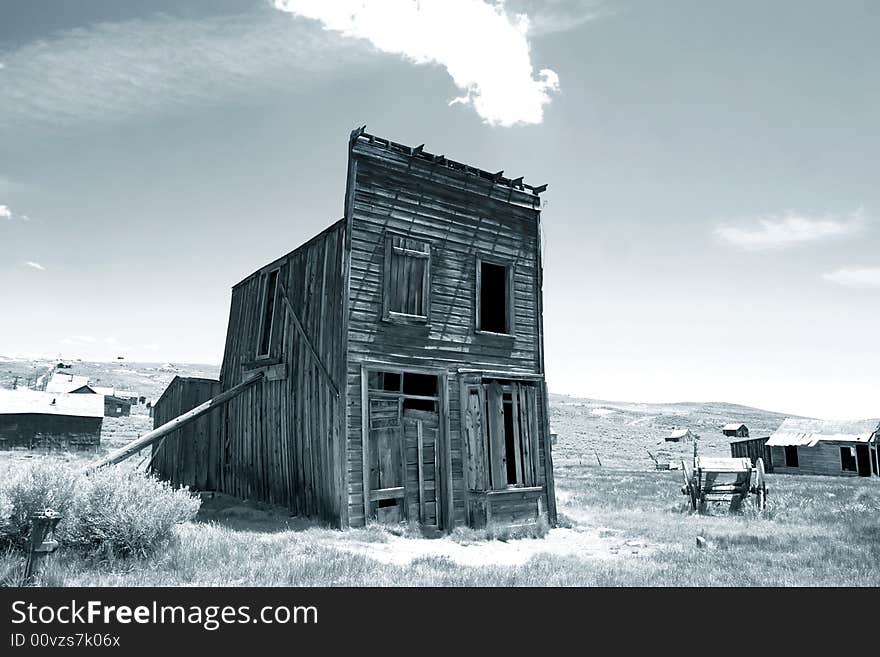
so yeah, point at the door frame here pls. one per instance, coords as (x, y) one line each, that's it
(445, 519)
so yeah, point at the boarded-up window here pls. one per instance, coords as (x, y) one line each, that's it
(494, 292)
(407, 285)
(791, 456)
(848, 459)
(268, 318)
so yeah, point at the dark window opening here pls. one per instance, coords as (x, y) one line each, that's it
(848, 459)
(423, 385)
(493, 293)
(509, 443)
(791, 456)
(268, 313)
(387, 381)
(420, 405)
(386, 503)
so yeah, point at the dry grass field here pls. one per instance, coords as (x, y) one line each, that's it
(622, 524)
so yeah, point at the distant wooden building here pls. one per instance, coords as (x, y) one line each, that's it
(826, 447)
(403, 355)
(49, 420)
(114, 405)
(679, 436)
(753, 448)
(735, 430)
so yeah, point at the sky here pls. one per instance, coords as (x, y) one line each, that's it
(710, 229)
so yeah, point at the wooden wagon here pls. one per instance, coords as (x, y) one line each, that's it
(727, 480)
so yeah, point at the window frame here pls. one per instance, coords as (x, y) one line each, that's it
(510, 268)
(389, 315)
(264, 293)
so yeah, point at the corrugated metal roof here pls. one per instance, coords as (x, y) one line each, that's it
(50, 403)
(60, 382)
(809, 432)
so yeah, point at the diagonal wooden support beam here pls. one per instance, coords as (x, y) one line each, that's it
(172, 425)
(305, 337)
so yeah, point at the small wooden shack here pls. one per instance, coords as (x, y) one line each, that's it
(403, 356)
(753, 449)
(114, 405)
(35, 419)
(679, 436)
(825, 447)
(735, 430)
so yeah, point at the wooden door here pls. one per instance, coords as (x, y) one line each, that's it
(421, 431)
(387, 476)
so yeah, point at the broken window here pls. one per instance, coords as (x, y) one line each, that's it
(494, 297)
(791, 456)
(268, 318)
(848, 459)
(407, 285)
(511, 433)
(419, 391)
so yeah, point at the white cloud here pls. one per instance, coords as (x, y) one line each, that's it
(864, 277)
(551, 16)
(774, 232)
(113, 72)
(35, 265)
(484, 48)
(7, 213)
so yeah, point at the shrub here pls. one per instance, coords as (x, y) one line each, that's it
(126, 513)
(35, 487)
(110, 511)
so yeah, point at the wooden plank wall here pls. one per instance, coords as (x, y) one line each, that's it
(189, 456)
(753, 448)
(282, 438)
(823, 459)
(48, 431)
(460, 215)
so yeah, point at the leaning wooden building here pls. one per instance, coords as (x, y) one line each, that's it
(402, 356)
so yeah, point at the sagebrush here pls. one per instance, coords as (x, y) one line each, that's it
(115, 512)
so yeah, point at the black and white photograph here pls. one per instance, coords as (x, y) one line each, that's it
(360, 294)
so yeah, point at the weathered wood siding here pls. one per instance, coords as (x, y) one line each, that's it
(116, 406)
(49, 431)
(753, 448)
(191, 455)
(282, 438)
(823, 459)
(461, 216)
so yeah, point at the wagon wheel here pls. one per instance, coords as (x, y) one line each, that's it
(760, 485)
(688, 488)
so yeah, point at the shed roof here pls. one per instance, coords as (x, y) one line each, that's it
(62, 382)
(24, 401)
(679, 433)
(809, 432)
(735, 426)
